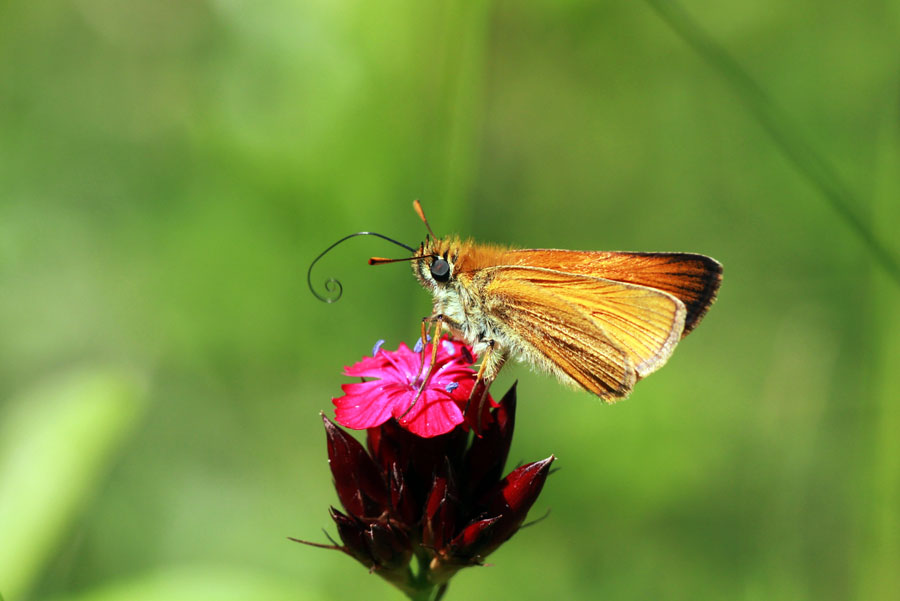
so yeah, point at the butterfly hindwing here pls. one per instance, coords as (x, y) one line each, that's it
(603, 334)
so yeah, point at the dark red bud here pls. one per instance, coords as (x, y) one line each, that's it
(403, 501)
(520, 489)
(360, 486)
(487, 455)
(440, 514)
(418, 458)
(509, 502)
(467, 355)
(383, 454)
(352, 533)
(389, 546)
(478, 414)
(468, 544)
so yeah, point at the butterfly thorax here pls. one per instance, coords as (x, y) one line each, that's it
(458, 294)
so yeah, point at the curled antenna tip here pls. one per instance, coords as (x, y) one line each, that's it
(333, 286)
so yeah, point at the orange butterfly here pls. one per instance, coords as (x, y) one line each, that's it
(598, 320)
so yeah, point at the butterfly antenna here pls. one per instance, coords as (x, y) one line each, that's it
(418, 207)
(332, 285)
(382, 260)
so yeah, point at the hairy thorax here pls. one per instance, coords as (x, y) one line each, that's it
(459, 300)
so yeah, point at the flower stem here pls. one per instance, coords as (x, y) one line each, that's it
(428, 593)
(420, 585)
(422, 594)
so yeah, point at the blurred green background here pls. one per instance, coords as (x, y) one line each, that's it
(168, 170)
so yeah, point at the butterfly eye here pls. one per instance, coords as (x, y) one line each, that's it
(440, 270)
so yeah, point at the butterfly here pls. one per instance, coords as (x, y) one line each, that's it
(598, 320)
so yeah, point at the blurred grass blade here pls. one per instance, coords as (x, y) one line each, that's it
(877, 565)
(201, 583)
(470, 23)
(56, 442)
(776, 123)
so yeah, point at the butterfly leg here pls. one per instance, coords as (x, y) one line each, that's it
(490, 365)
(439, 322)
(424, 342)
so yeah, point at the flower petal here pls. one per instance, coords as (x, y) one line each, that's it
(435, 413)
(362, 407)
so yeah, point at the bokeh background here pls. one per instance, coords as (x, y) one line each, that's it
(169, 169)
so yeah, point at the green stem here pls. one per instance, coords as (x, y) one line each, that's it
(422, 594)
(419, 586)
(440, 592)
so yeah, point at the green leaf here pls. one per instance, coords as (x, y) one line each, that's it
(56, 443)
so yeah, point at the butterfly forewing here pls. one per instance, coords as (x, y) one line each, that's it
(693, 279)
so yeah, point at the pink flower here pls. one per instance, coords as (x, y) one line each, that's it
(418, 510)
(396, 377)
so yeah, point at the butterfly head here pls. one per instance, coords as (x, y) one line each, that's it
(436, 264)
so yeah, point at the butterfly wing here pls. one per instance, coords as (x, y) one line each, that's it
(559, 337)
(693, 279)
(601, 333)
